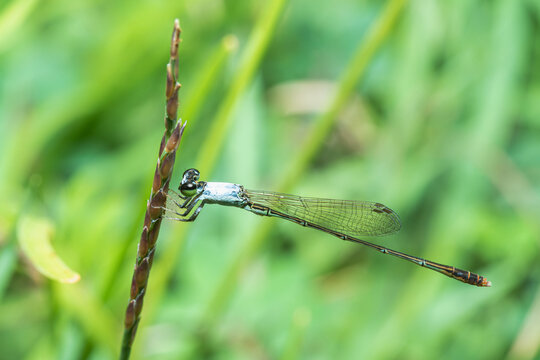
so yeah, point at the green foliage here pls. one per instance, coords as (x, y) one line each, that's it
(428, 107)
(34, 236)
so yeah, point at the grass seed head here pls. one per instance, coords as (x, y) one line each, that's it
(156, 184)
(143, 243)
(155, 206)
(141, 273)
(134, 290)
(130, 314)
(152, 235)
(170, 82)
(139, 304)
(172, 144)
(172, 103)
(167, 164)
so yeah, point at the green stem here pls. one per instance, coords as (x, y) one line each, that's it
(349, 80)
(300, 322)
(209, 75)
(255, 49)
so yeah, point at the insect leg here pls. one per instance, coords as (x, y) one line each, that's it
(192, 217)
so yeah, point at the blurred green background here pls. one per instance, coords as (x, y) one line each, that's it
(430, 107)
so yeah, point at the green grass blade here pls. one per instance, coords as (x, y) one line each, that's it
(352, 75)
(300, 323)
(251, 58)
(8, 262)
(214, 142)
(349, 80)
(12, 18)
(209, 73)
(98, 323)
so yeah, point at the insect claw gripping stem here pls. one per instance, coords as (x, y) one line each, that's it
(188, 209)
(182, 217)
(184, 204)
(194, 215)
(160, 185)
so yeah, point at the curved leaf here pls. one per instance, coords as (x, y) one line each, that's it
(34, 235)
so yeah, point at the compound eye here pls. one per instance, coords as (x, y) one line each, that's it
(191, 174)
(188, 189)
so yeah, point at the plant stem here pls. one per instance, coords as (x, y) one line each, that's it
(206, 161)
(203, 85)
(251, 58)
(152, 219)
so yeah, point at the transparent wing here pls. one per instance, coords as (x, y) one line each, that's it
(355, 218)
(173, 207)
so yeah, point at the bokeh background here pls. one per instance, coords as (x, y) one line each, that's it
(430, 107)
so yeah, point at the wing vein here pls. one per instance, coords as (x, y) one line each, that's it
(354, 218)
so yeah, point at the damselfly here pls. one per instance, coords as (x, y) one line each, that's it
(344, 219)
